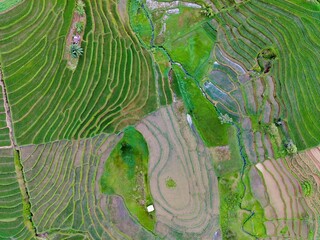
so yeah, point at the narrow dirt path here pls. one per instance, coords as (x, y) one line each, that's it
(8, 112)
(17, 161)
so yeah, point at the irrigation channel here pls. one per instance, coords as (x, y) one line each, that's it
(242, 152)
(17, 161)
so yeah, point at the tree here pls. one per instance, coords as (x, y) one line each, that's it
(80, 8)
(76, 51)
(207, 11)
(225, 118)
(79, 27)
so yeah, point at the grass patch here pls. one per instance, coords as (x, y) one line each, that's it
(187, 41)
(7, 4)
(232, 217)
(203, 113)
(128, 165)
(228, 159)
(139, 22)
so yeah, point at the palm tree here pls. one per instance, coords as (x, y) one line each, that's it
(76, 51)
(80, 3)
(80, 8)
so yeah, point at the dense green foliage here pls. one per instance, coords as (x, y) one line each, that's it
(7, 4)
(126, 174)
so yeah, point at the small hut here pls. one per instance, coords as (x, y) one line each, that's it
(150, 208)
(76, 39)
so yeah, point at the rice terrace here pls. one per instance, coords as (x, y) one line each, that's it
(160, 119)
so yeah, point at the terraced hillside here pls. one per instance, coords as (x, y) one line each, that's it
(12, 211)
(65, 196)
(6, 5)
(248, 100)
(250, 28)
(287, 211)
(180, 173)
(112, 86)
(192, 108)
(306, 168)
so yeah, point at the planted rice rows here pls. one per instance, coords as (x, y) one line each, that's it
(63, 183)
(112, 85)
(11, 207)
(248, 100)
(287, 25)
(4, 130)
(305, 166)
(285, 206)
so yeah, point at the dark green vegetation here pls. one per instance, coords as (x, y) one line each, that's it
(112, 86)
(13, 213)
(126, 174)
(76, 51)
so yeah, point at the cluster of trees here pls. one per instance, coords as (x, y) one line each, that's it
(225, 118)
(207, 11)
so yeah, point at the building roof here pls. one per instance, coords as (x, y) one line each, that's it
(76, 38)
(150, 208)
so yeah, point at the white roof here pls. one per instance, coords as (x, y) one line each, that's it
(150, 208)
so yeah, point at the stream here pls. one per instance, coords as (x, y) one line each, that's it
(242, 151)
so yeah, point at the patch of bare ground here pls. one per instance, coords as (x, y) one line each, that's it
(122, 9)
(192, 205)
(221, 154)
(72, 62)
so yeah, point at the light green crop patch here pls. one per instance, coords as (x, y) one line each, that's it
(306, 188)
(203, 113)
(170, 183)
(7, 4)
